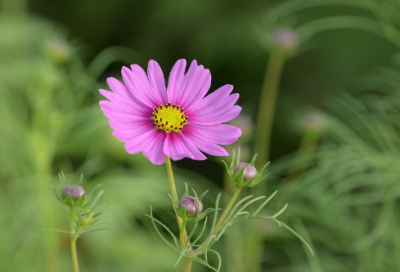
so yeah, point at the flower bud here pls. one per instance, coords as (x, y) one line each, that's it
(250, 171)
(190, 204)
(314, 121)
(75, 191)
(85, 219)
(285, 38)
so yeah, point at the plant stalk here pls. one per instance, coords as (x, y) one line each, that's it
(174, 195)
(73, 239)
(266, 108)
(220, 221)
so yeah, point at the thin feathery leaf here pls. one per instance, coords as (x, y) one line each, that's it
(253, 160)
(298, 236)
(216, 211)
(265, 203)
(280, 212)
(92, 230)
(251, 202)
(54, 230)
(219, 258)
(202, 231)
(232, 212)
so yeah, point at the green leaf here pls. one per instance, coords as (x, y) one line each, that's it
(238, 157)
(93, 202)
(280, 212)
(68, 201)
(202, 231)
(80, 182)
(186, 190)
(265, 203)
(250, 202)
(57, 195)
(153, 220)
(219, 258)
(253, 160)
(232, 212)
(216, 211)
(54, 230)
(298, 236)
(203, 194)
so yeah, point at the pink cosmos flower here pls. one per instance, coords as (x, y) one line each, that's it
(177, 121)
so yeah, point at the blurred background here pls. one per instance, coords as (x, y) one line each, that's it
(319, 84)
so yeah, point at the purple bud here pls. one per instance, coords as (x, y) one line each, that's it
(190, 204)
(250, 171)
(75, 191)
(285, 38)
(314, 121)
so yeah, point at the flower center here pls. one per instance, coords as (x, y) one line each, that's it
(169, 118)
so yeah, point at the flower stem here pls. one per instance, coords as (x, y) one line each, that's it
(73, 239)
(188, 265)
(266, 108)
(183, 234)
(171, 179)
(220, 221)
(265, 119)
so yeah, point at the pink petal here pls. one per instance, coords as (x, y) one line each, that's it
(114, 112)
(138, 84)
(218, 134)
(174, 148)
(210, 100)
(176, 81)
(124, 94)
(128, 134)
(157, 82)
(123, 105)
(155, 150)
(178, 147)
(141, 142)
(216, 118)
(204, 144)
(197, 84)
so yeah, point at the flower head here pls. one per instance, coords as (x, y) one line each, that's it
(175, 121)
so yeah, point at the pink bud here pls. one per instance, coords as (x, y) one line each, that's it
(75, 191)
(250, 171)
(190, 204)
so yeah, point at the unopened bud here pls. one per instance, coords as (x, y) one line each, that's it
(314, 121)
(190, 204)
(285, 38)
(75, 191)
(249, 172)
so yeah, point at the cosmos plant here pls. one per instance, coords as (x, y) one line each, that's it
(174, 122)
(179, 121)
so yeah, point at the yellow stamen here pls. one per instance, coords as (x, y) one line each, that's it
(169, 118)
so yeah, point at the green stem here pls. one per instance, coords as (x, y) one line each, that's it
(171, 179)
(73, 239)
(220, 221)
(266, 107)
(234, 238)
(188, 265)
(265, 119)
(183, 234)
